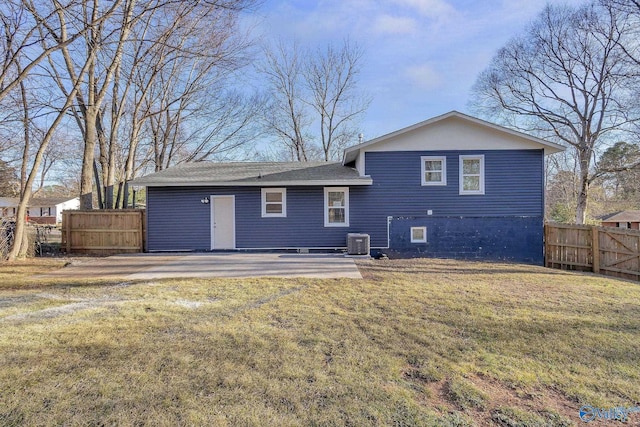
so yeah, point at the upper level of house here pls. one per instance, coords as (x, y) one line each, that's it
(441, 145)
(452, 131)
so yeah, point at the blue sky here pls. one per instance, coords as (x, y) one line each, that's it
(421, 56)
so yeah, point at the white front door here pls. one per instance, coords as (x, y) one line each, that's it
(223, 222)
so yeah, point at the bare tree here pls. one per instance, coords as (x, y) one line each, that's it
(331, 77)
(567, 79)
(286, 115)
(23, 41)
(629, 11)
(313, 90)
(25, 48)
(177, 48)
(20, 244)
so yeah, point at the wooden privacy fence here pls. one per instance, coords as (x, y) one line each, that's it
(103, 232)
(603, 250)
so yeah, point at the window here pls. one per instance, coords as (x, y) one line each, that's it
(336, 207)
(274, 202)
(471, 174)
(418, 234)
(434, 170)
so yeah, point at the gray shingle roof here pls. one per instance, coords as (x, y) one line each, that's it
(623, 216)
(254, 174)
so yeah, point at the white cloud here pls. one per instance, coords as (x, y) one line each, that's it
(424, 76)
(435, 9)
(395, 25)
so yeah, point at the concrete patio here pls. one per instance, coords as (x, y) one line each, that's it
(207, 265)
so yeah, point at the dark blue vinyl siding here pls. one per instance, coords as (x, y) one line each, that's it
(513, 184)
(498, 238)
(513, 191)
(513, 188)
(177, 220)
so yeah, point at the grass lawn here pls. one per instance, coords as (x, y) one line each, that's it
(417, 342)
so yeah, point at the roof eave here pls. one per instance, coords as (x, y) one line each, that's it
(301, 183)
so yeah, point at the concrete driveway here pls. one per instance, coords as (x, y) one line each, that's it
(206, 265)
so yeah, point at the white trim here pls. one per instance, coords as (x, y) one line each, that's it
(481, 175)
(283, 192)
(212, 218)
(443, 171)
(345, 190)
(360, 164)
(424, 234)
(171, 182)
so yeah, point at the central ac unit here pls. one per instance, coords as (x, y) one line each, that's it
(357, 244)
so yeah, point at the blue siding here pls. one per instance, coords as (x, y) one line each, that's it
(513, 184)
(176, 220)
(510, 211)
(514, 187)
(498, 238)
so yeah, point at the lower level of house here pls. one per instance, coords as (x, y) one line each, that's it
(254, 218)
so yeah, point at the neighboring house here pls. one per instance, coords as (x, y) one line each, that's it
(452, 186)
(39, 210)
(624, 219)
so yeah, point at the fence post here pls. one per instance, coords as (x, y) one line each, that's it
(595, 249)
(66, 221)
(545, 244)
(140, 231)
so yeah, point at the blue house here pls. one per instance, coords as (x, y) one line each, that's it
(451, 186)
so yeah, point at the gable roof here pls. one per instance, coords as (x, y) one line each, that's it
(622, 216)
(254, 174)
(351, 153)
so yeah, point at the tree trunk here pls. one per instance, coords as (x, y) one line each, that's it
(583, 192)
(26, 123)
(96, 176)
(86, 180)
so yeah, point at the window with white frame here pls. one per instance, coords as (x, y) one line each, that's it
(336, 206)
(418, 234)
(472, 174)
(434, 170)
(274, 202)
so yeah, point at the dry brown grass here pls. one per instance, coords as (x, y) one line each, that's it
(417, 342)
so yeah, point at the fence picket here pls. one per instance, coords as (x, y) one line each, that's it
(103, 232)
(603, 250)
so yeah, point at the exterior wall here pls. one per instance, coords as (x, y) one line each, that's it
(177, 220)
(43, 220)
(504, 223)
(7, 207)
(458, 223)
(497, 238)
(69, 204)
(634, 225)
(41, 212)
